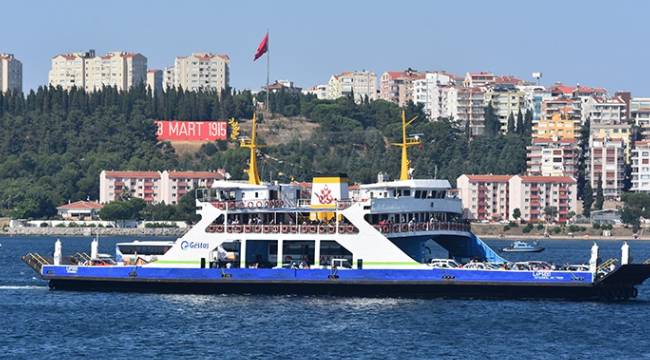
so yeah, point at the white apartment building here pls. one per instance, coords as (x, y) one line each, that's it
(199, 72)
(11, 74)
(552, 157)
(154, 186)
(607, 162)
(437, 93)
(606, 111)
(122, 70)
(155, 81)
(319, 90)
(640, 113)
(495, 197)
(641, 166)
(362, 83)
(506, 101)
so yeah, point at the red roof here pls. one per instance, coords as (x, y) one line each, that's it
(196, 175)
(81, 205)
(133, 174)
(489, 178)
(548, 179)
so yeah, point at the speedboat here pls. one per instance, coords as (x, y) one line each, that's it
(522, 246)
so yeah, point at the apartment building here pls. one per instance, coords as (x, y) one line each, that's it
(360, 83)
(11, 74)
(606, 111)
(640, 114)
(85, 70)
(320, 91)
(552, 157)
(568, 109)
(484, 197)
(607, 163)
(556, 127)
(532, 194)
(478, 79)
(437, 93)
(199, 72)
(641, 166)
(398, 86)
(470, 108)
(534, 96)
(155, 81)
(153, 186)
(506, 101)
(495, 197)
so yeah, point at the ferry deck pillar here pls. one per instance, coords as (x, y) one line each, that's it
(280, 254)
(242, 254)
(317, 253)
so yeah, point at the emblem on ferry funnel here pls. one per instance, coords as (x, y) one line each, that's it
(325, 196)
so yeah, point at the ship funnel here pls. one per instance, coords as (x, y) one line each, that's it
(94, 249)
(57, 252)
(625, 254)
(593, 261)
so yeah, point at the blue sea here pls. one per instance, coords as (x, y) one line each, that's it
(43, 324)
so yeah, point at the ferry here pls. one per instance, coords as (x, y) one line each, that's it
(375, 239)
(522, 246)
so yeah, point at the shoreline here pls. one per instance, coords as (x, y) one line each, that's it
(563, 237)
(29, 231)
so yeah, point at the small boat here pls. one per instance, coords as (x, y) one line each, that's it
(522, 246)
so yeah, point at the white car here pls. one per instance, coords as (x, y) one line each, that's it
(444, 264)
(477, 266)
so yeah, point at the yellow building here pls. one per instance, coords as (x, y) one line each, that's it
(556, 128)
(616, 133)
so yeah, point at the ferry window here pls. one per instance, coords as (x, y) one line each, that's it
(256, 194)
(417, 194)
(407, 192)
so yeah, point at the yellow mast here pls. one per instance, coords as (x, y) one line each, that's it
(404, 171)
(253, 175)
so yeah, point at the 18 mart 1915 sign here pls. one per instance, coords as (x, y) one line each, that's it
(177, 130)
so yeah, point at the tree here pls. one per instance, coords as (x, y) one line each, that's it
(587, 200)
(516, 214)
(600, 198)
(635, 206)
(520, 123)
(511, 124)
(123, 210)
(550, 212)
(583, 157)
(492, 123)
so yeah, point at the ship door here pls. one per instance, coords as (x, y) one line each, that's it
(273, 195)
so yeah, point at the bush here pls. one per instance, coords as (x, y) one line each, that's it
(607, 226)
(556, 230)
(540, 226)
(44, 224)
(513, 224)
(528, 228)
(574, 228)
(60, 225)
(506, 228)
(596, 225)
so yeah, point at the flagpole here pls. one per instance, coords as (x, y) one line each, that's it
(268, 70)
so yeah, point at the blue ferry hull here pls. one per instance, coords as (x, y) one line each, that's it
(390, 283)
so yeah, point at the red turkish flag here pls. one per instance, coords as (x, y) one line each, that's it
(262, 48)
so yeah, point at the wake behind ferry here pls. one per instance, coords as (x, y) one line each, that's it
(371, 240)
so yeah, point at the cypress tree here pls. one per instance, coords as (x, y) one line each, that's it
(520, 123)
(587, 199)
(511, 124)
(600, 198)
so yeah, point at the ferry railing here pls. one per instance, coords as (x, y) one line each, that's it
(422, 226)
(276, 204)
(284, 229)
(605, 266)
(81, 257)
(35, 261)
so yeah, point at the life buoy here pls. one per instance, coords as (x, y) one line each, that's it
(321, 229)
(331, 229)
(250, 204)
(350, 229)
(257, 228)
(284, 229)
(231, 204)
(259, 204)
(342, 229)
(395, 228)
(275, 228)
(266, 203)
(293, 229)
(312, 229)
(247, 228)
(266, 228)
(219, 228)
(238, 228)
(384, 229)
(404, 227)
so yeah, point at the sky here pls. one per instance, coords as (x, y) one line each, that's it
(593, 43)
